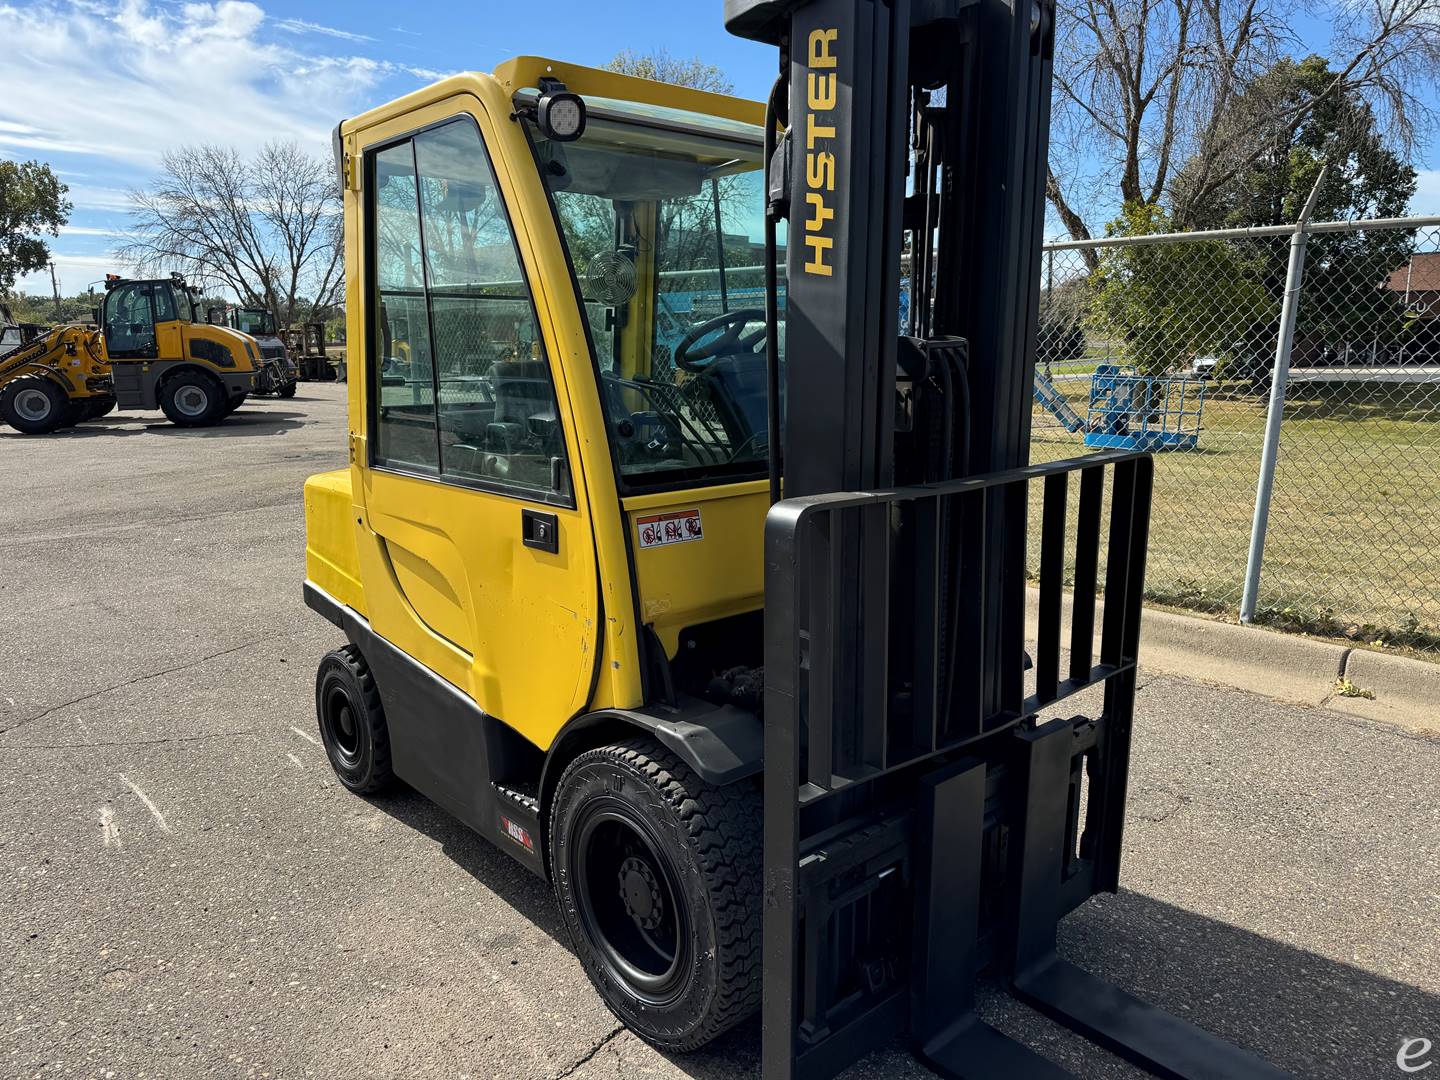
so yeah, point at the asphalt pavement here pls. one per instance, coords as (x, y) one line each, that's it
(186, 891)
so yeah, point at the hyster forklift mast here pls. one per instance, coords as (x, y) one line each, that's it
(923, 820)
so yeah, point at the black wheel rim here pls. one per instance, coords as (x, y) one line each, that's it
(630, 902)
(342, 726)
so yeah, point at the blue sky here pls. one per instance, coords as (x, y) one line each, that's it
(101, 88)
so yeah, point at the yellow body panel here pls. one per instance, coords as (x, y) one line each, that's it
(438, 569)
(331, 559)
(720, 575)
(72, 355)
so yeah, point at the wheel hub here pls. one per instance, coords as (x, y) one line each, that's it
(192, 400)
(33, 405)
(640, 892)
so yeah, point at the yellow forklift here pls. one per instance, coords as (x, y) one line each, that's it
(771, 754)
(149, 352)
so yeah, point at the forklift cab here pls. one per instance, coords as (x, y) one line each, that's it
(559, 445)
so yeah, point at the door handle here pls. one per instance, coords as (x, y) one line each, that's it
(540, 530)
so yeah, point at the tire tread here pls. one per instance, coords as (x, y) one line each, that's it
(723, 826)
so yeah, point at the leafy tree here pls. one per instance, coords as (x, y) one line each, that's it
(1279, 164)
(40, 308)
(32, 203)
(1061, 332)
(1171, 302)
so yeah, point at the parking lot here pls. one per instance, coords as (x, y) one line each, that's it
(186, 891)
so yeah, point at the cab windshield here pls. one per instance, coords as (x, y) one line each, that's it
(662, 212)
(256, 323)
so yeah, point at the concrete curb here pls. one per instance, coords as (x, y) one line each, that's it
(1284, 667)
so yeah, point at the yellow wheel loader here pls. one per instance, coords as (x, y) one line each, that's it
(772, 754)
(149, 352)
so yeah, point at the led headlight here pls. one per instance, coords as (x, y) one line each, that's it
(561, 115)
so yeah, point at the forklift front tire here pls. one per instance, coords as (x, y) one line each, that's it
(658, 878)
(352, 722)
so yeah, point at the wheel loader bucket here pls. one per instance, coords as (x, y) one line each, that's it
(927, 815)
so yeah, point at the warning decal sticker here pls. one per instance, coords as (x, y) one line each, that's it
(658, 530)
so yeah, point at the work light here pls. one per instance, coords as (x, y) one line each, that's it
(561, 115)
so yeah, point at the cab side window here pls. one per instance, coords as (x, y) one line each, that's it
(459, 372)
(129, 322)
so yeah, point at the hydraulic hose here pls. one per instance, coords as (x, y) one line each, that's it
(772, 304)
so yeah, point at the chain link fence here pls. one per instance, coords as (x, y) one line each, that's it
(1169, 344)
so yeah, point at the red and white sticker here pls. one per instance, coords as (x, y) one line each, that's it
(660, 530)
(518, 833)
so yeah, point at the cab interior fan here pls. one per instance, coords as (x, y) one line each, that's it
(610, 277)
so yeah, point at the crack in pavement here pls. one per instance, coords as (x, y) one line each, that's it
(134, 742)
(128, 682)
(585, 1057)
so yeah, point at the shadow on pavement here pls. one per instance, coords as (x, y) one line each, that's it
(244, 421)
(1308, 1014)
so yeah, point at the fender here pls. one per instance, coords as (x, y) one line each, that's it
(722, 744)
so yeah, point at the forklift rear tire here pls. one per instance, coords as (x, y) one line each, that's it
(352, 722)
(234, 403)
(658, 878)
(287, 391)
(100, 405)
(34, 405)
(192, 399)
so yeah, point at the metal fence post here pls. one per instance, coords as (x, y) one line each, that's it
(1294, 276)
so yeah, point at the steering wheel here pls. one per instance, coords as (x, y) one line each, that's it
(693, 357)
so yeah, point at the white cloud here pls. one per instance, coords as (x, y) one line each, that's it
(300, 26)
(173, 75)
(88, 230)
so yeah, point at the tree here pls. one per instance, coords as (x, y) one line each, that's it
(268, 229)
(26, 308)
(1271, 163)
(1173, 302)
(1279, 164)
(660, 66)
(32, 203)
(1138, 86)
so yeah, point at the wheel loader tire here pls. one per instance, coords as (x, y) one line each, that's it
(352, 722)
(658, 877)
(288, 390)
(192, 399)
(34, 405)
(77, 412)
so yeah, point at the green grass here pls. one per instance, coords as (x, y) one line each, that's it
(1353, 547)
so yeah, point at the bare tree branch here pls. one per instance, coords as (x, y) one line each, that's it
(1144, 86)
(267, 229)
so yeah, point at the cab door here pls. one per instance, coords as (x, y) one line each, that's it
(476, 546)
(130, 322)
